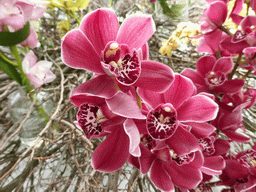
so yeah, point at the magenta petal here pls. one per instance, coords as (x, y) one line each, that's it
(124, 105)
(146, 159)
(155, 76)
(101, 86)
(205, 64)
(198, 108)
(135, 31)
(213, 39)
(78, 52)
(221, 147)
(198, 160)
(201, 130)
(236, 136)
(213, 165)
(152, 98)
(248, 21)
(183, 142)
(100, 26)
(181, 89)
(197, 79)
(134, 136)
(134, 161)
(224, 64)
(203, 47)
(217, 12)
(230, 86)
(160, 178)
(113, 152)
(235, 170)
(248, 186)
(184, 176)
(235, 48)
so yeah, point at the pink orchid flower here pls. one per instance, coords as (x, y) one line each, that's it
(115, 54)
(37, 72)
(31, 41)
(168, 168)
(214, 16)
(118, 117)
(228, 121)
(170, 112)
(250, 54)
(240, 171)
(242, 38)
(210, 43)
(212, 75)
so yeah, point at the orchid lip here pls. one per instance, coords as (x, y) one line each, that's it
(248, 158)
(117, 61)
(215, 78)
(89, 118)
(162, 121)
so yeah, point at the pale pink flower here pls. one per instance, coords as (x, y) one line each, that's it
(37, 72)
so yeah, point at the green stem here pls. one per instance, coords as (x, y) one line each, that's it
(15, 53)
(226, 31)
(4, 57)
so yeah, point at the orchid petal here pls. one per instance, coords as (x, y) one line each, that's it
(224, 64)
(201, 130)
(205, 64)
(230, 86)
(213, 165)
(146, 159)
(100, 26)
(78, 52)
(132, 131)
(124, 105)
(184, 176)
(189, 142)
(198, 108)
(152, 98)
(235, 170)
(101, 86)
(181, 89)
(154, 76)
(113, 152)
(221, 147)
(135, 31)
(217, 12)
(236, 136)
(160, 178)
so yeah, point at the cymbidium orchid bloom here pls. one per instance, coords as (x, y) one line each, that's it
(211, 75)
(240, 171)
(115, 54)
(214, 16)
(167, 168)
(117, 117)
(228, 120)
(37, 72)
(210, 43)
(242, 38)
(170, 111)
(250, 55)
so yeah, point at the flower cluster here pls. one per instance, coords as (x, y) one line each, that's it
(160, 122)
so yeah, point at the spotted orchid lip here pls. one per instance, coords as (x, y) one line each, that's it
(207, 145)
(162, 121)
(89, 119)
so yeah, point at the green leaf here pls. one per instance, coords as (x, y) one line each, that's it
(14, 38)
(173, 12)
(10, 70)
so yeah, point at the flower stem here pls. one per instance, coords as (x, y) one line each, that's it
(235, 67)
(226, 31)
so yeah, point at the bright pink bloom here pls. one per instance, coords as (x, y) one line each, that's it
(209, 43)
(37, 72)
(228, 121)
(240, 171)
(99, 45)
(167, 168)
(118, 117)
(242, 38)
(214, 16)
(170, 111)
(212, 75)
(250, 54)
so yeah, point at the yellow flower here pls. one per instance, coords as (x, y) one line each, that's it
(73, 5)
